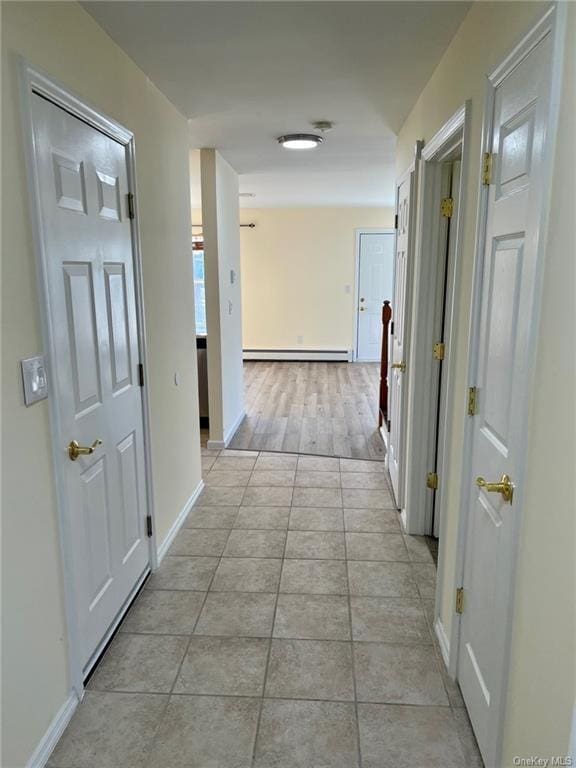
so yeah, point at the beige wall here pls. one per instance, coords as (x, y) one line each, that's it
(64, 41)
(296, 264)
(541, 690)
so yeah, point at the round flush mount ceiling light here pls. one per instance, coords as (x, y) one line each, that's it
(300, 140)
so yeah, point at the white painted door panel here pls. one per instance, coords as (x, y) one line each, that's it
(87, 238)
(507, 308)
(375, 274)
(397, 376)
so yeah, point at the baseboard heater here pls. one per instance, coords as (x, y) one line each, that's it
(337, 355)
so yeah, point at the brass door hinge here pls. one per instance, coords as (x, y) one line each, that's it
(460, 600)
(432, 481)
(149, 525)
(487, 168)
(472, 395)
(438, 350)
(447, 207)
(130, 205)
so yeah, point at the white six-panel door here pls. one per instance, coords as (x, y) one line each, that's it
(88, 246)
(375, 273)
(397, 374)
(503, 343)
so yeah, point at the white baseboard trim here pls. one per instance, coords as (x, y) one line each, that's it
(443, 641)
(57, 727)
(219, 445)
(178, 523)
(341, 355)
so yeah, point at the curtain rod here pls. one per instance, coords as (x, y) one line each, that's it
(251, 225)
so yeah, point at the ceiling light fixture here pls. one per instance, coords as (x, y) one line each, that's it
(300, 140)
(246, 194)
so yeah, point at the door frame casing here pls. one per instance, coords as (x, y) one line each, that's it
(553, 22)
(34, 81)
(412, 173)
(358, 232)
(428, 259)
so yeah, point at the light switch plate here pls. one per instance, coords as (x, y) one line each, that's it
(34, 379)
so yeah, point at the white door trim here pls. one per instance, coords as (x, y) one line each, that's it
(421, 409)
(553, 22)
(34, 81)
(357, 235)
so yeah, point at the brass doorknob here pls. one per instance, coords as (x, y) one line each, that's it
(75, 450)
(504, 487)
(400, 366)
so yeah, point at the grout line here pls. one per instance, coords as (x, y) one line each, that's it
(353, 656)
(257, 733)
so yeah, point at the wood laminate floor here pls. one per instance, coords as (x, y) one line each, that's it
(329, 409)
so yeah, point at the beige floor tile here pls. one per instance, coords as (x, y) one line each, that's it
(237, 614)
(309, 479)
(315, 545)
(307, 734)
(408, 737)
(318, 463)
(389, 620)
(249, 543)
(224, 462)
(211, 517)
(317, 497)
(376, 546)
(225, 666)
(312, 617)
(381, 579)
(221, 496)
(276, 461)
(367, 480)
(193, 573)
(163, 612)
(360, 465)
(226, 478)
(314, 577)
(316, 519)
(109, 730)
(310, 669)
(263, 517)
(199, 541)
(398, 674)
(272, 477)
(371, 521)
(270, 496)
(356, 498)
(245, 574)
(140, 664)
(425, 576)
(206, 732)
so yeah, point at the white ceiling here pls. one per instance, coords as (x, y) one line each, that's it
(247, 72)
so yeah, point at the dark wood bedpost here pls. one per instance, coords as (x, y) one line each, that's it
(383, 410)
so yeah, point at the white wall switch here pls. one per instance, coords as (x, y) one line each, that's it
(176, 379)
(34, 379)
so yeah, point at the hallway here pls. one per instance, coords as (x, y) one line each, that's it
(288, 627)
(324, 408)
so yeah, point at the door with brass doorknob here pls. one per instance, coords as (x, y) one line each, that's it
(503, 333)
(90, 284)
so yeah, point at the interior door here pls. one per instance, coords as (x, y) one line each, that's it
(503, 339)
(87, 238)
(375, 274)
(399, 349)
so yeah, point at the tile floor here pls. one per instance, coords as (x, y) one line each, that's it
(288, 627)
